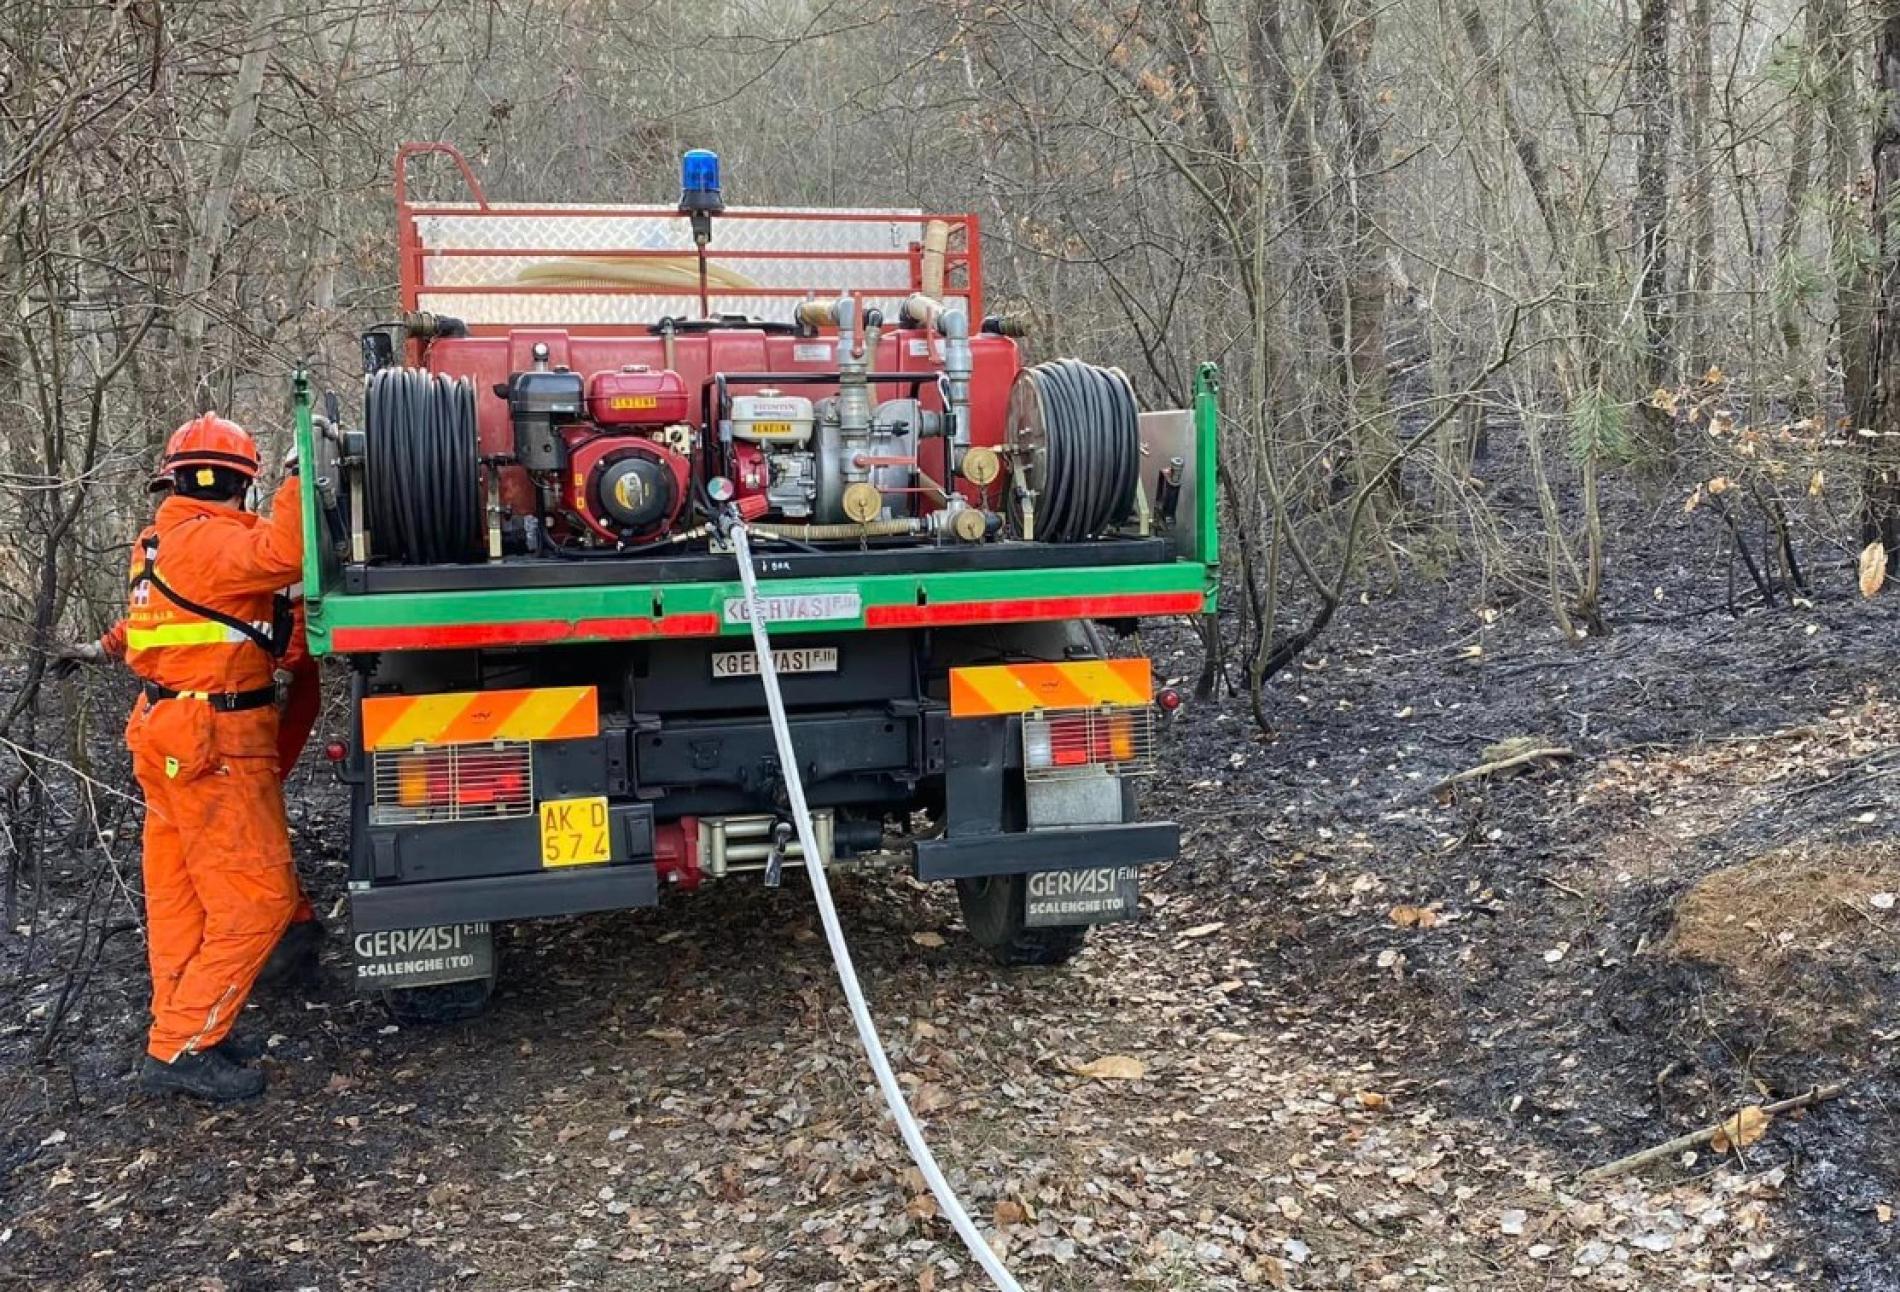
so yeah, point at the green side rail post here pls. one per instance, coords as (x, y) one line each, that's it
(305, 434)
(1207, 478)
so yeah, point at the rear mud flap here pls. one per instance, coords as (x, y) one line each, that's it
(1069, 848)
(529, 896)
(393, 959)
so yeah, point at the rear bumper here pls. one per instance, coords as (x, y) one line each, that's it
(529, 896)
(1067, 848)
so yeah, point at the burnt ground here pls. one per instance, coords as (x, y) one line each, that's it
(1380, 1029)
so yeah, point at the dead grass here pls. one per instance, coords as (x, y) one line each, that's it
(1804, 934)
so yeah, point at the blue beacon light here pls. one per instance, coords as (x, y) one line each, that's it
(699, 181)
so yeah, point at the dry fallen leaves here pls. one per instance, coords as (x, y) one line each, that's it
(1873, 568)
(1372, 1099)
(930, 1098)
(1414, 917)
(381, 1234)
(1113, 1067)
(1007, 1213)
(927, 938)
(1741, 1130)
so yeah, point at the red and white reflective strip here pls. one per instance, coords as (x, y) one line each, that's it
(541, 632)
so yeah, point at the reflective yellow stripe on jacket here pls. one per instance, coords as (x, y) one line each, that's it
(197, 633)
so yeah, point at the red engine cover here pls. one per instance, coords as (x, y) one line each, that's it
(637, 396)
(750, 475)
(600, 465)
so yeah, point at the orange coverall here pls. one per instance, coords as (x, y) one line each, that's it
(295, 721)
(219, 887)
(298, 718)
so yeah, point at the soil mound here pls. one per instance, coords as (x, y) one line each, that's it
(1810, 936)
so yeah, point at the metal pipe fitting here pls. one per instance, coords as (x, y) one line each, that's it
(957, 367)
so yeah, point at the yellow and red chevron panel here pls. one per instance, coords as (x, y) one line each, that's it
(472, 717)
(1022, 688)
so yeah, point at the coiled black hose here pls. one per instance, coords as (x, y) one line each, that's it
(1083, 434)
(423, 476)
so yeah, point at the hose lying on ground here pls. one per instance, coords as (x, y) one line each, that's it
(423, 481)
(834, 936)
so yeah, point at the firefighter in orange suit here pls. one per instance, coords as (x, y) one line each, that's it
(301, 701)
(205, 631)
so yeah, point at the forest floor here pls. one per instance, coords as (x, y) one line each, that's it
(1380, 1029)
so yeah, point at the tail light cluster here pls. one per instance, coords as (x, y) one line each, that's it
(432, 783)
(1081, 742)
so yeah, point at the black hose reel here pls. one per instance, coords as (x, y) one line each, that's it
(1075, 441)
(422, 467)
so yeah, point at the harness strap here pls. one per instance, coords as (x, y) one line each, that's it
(273, 643)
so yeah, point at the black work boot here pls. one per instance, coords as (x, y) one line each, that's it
(241, 1049)
(206, 1075)
(295, 955)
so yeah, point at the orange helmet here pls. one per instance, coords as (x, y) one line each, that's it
(211, 441)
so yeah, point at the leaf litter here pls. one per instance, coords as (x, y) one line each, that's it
(1332, 1094)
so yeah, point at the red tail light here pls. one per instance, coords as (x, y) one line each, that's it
(1069, 743)
(453, 783)
(1111, 736)
(486, 780)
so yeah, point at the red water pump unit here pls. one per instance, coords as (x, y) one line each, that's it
(611, 455)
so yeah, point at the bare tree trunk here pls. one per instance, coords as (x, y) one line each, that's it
(1286, 104)
(1699, 278)
(1880, 517)
(1651, 203)
(1346, 31)
(1847, 262)
(214, 213)
(1788, 239)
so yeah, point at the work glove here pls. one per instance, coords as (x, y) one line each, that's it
(67, 657)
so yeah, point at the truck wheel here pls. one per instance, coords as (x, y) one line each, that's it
(993, 912)
(449, 1002)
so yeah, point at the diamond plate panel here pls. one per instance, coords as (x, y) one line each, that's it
(881, 282)
(817, 275)
(573, 309)
(577, 229)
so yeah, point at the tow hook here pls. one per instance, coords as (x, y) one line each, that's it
(775, 859)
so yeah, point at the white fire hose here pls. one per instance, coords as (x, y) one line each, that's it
(834, 935)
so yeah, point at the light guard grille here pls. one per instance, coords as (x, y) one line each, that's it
(433, 783)
(1062, 744)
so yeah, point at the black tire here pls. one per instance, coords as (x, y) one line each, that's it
(449, 1002)
(993, 912)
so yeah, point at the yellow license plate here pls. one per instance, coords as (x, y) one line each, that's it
(574, 832)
